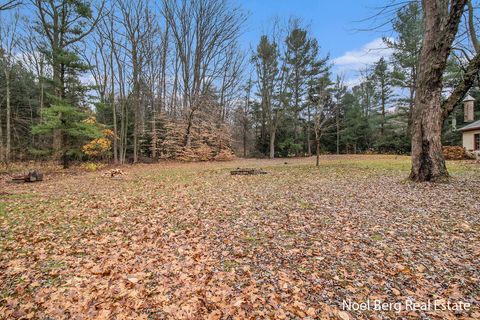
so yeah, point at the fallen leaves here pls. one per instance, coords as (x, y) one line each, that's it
(179, 241)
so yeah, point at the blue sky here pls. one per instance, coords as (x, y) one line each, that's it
(335, 24)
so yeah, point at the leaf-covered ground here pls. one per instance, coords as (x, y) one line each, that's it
(190, 241)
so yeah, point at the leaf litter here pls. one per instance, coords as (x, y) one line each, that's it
(189, 241)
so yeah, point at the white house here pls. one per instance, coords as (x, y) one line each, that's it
(471, 136)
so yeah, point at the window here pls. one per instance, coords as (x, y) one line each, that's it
(476, 142)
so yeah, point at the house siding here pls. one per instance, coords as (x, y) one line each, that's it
(468, 139)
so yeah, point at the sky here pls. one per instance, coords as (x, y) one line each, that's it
(336, 24)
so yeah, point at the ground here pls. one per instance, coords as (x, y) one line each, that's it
(190, 241)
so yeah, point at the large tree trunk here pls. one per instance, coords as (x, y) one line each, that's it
(428, 163)
(441, 25)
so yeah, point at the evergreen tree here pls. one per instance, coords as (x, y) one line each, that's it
(266, 63)
(356, 127)
(382, 80)
(73, 125)
(64, 24)
(317, 70)
(408, 26)
(297, 63)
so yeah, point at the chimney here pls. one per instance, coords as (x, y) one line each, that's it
(468, 108)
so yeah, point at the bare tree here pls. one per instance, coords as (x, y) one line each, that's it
(324, 111)
(442, 19)
(135, 17)
(8, 44)
(203, 32)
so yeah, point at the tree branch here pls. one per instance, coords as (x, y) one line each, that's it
(10, 5)
(462, 88)
(471, 27)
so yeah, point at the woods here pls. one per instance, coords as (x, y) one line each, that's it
(171, 80)
(225, 159)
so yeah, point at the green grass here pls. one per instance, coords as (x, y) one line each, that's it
(2, 209)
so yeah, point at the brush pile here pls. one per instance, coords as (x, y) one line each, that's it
(114, 173)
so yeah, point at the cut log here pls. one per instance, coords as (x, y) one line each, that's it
(18, 179)
(31, 176)
(247, 171)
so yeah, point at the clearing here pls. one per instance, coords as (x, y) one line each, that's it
(190, 241)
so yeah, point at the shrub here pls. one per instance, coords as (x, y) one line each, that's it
(186, 154)
(92, 166)
(204, 152)
(225, 155)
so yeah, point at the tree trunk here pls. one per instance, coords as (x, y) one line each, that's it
(428, 163)
(58, 91)
(317, 143)
(2, 147)
(337, 124)
(188, 131)
(114, 111)
(245, 140)
(8, 119)
(309, 143)
(441, 25)
(272, 143)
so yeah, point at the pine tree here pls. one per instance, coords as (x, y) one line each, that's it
(63, 24)
(266, 63)
(73, 125)
(317, 69)
(408, 26)
(382, 79)
(356, 125)
(297, 62)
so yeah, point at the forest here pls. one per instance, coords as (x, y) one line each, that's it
(177, 160)
(138, 81)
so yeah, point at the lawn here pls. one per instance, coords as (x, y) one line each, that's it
(190, 241)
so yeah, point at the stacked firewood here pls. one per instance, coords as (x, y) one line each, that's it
(454, 153)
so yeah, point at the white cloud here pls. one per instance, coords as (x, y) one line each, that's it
(367, 54)
(352, 62)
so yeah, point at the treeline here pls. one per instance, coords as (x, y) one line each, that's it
(135, 80)
(297, 105)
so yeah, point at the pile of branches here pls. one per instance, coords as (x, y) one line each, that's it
(113, 173)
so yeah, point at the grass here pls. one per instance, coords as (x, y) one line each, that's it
(303, 236)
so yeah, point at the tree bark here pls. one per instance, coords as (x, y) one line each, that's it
(114, 111)
(8, 119)
(272, 143)
(441, 25)
(337, 125)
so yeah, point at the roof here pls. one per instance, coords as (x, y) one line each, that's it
(472, 126)
(468, 98)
